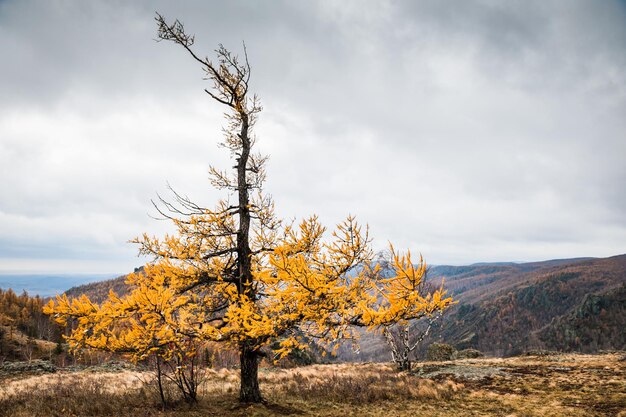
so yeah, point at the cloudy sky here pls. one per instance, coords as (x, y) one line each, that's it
(468, 131)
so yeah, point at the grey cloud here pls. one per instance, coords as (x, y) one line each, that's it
(493, 131)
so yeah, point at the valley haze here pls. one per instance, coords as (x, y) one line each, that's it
(47, 285)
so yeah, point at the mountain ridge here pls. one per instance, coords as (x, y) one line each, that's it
(509, 309)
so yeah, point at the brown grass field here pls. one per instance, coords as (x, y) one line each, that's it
(559, 385)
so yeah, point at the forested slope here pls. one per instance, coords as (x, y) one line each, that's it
(507, 309)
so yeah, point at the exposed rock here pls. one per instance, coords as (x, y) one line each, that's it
(36, 366)
(459, 372)
(540, 352)
(468, 354)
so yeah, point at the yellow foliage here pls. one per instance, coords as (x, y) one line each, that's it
(305, 285)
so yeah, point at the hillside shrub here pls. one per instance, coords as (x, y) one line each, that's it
(440, 352)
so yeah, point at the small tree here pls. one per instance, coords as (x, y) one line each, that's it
(29, 349)
(147, 325)
(238, 275)
(404, 336)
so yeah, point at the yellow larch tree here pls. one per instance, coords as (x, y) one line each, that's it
(236, 274)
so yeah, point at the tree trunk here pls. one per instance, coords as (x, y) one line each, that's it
(160, 382)
(249, 361)
(249, 358)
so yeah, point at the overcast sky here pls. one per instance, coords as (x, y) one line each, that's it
(468, 131)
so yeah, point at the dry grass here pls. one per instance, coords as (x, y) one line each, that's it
(116, 382)
(355, 384)
(563, 385)
(73, 394)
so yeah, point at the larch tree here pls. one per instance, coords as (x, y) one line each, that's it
(236, 274)
(404, 336)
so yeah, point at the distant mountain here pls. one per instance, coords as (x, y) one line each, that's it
(507, 309)
(551, 262)
(513, 309)
(46, 285)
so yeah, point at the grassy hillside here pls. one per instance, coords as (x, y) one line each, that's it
(563, 385)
